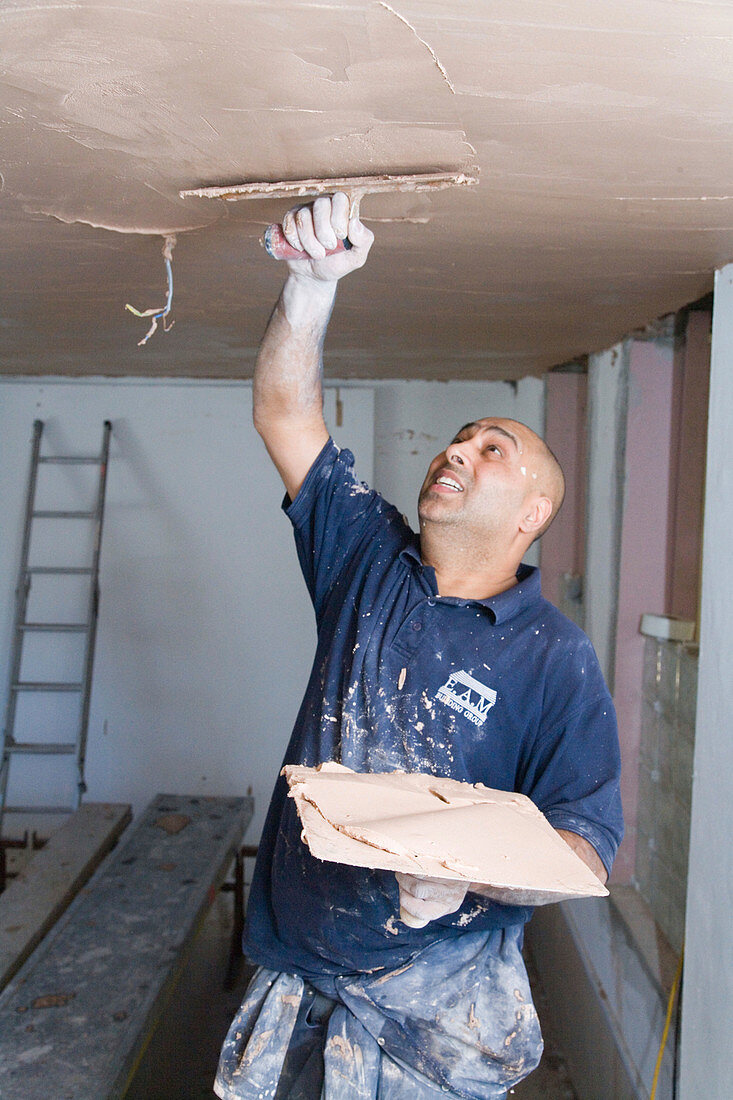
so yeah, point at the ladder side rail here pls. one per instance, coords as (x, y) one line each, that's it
(92, 615)
(22, 592)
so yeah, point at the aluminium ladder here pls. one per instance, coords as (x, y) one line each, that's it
(12, 746)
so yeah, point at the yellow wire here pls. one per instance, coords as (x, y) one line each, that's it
(665, 1033)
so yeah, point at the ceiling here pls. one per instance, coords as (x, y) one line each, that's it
(601, 133)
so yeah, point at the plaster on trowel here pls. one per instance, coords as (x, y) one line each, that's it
(273, 239)
(437, 827)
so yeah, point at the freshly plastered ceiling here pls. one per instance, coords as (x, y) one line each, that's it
(600, 131)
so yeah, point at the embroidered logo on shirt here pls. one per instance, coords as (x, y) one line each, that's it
(468, 696)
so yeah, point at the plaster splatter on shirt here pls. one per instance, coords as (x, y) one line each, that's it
(358, 488)
(390, 927)
(466, 918)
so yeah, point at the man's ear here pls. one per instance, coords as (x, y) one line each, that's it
(538, 510)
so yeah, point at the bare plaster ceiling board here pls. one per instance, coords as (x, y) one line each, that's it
(602, 133)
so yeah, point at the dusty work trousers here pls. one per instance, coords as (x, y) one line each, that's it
(456, 1022)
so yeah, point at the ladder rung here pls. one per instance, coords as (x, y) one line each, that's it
(47, 513)
(39, 809)
(42, 748)
(39, 685)
(52, 508)
(55, 628)
(66, 569)
(68, 460)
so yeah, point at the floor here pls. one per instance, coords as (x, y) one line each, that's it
(180, 1061)
(550, 1081)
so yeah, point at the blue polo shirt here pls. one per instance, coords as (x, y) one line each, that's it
(504, 691)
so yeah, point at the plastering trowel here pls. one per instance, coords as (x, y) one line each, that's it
(273, 239)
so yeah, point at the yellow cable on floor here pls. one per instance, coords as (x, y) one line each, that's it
(665, 1033)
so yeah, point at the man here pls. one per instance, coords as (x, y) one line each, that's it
(372, 985)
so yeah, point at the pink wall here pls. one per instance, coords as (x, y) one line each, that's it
(644, 555)
(661, 531)
(688, 467)
(566, 434)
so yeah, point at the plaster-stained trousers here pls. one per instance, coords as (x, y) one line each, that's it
(457, 1021)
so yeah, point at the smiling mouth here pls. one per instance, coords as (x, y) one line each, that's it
(449, 483)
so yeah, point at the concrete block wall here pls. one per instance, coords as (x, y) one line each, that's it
(665, 781)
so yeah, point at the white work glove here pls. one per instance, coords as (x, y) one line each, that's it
(319, 226)
(426, 899)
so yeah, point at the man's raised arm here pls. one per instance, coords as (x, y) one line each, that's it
(287, 385)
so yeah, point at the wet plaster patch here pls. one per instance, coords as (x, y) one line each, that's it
(108, 112)
(118, 109)
(436, 827)
(603, 142)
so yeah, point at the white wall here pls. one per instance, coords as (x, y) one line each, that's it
(608, 373)
(206, 633)
(707, 1004)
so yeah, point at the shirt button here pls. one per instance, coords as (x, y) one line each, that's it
(417, 625)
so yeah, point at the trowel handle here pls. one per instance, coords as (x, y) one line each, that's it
(276, 244)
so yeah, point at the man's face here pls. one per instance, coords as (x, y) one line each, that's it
(483, 477)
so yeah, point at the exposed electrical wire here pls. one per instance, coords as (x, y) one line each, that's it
(667, 1022)
(159, 314)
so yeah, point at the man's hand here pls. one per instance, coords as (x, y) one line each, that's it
(318, 227)
(426, 899)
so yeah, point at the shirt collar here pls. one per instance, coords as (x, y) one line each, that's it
(502, 607)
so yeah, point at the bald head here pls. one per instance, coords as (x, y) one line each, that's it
(540, 465)
(550, 481)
